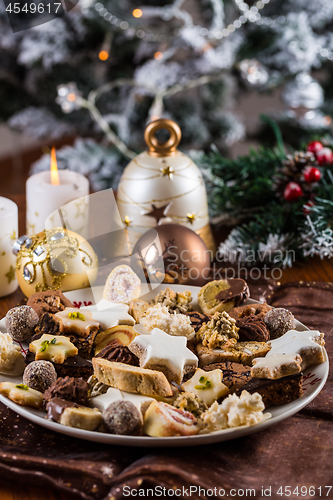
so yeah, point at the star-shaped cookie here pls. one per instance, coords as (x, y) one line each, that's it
(166, 353)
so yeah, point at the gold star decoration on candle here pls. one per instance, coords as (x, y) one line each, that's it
(158, 212)
(127, 221)
(31, 229)
(81, 207)
(13, 236)
(191, 218)
(167, 172)
(10, 275)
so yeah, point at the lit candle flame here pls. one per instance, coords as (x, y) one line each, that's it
(54, 169)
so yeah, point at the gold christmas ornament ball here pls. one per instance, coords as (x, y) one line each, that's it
(56, 259)
(174, 251)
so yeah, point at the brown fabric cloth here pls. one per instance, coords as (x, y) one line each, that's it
(296, 452)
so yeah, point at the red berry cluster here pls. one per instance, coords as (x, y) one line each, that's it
(324, 156)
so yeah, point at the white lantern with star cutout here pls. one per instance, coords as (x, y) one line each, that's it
(163, 185)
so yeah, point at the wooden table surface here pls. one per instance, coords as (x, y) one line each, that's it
(312, 270)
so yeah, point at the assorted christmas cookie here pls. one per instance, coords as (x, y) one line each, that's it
(75, 322)
(241, 352)
(132, 378)
(122, 285)
(39, 375)
(207, 386)
(122, 417)
(177, 302)
(235, 375)
(166, 353)
(73, 415)
(95, 369)
(117, 352)
(11, 358)
(309, 345)
(222, 295)
(21, 394)
(279, 321)
(53, 348)
(163, 420)
(221, 332)
(276, 366)
(252, 327)
(21, 322)
(125, 334)
(49, 301)
(276, 392)
(158, 316)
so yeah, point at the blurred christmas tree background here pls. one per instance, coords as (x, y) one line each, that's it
(105, 69)
(186, 60)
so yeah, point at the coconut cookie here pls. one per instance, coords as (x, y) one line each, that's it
(222, 295)
(166, 353)
(158, 316)
(122, 285)
(276, 366)
(11, 358)
(308, 344)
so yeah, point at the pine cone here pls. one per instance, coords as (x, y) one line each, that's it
(292, 170)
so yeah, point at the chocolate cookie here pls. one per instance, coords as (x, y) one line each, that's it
(198, 319)
(235, 375)
(252, 328)
(119, 353)
(75, 366)
(68, 388)
(49, 301)
(276, 392)
(249, 309)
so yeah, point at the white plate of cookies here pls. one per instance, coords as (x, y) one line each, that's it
(179, 366)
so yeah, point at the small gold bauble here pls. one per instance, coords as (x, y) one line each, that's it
(56, 259)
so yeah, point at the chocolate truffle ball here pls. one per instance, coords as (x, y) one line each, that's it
(279, 321)
(122, 417)
(21, 322)
(39, 375)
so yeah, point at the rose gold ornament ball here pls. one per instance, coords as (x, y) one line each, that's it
(174, 251)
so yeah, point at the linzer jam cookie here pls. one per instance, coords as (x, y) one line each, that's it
(222, 295)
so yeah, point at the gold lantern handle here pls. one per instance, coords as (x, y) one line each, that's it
(168, 148)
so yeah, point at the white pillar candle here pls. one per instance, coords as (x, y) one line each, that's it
(8, 234)
(44, 198)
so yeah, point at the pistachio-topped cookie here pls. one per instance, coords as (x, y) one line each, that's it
(222, 295)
